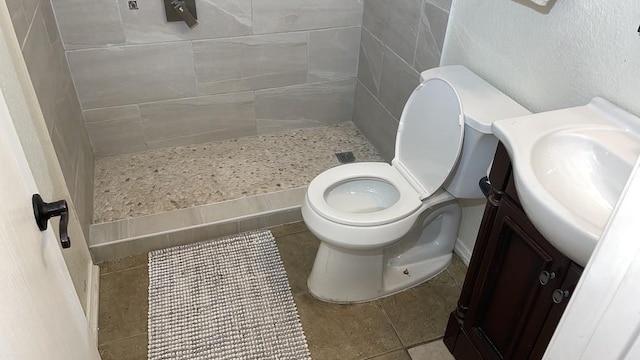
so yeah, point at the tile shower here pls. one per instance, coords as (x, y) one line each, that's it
(125, 85)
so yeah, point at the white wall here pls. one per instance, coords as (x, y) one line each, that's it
(578, 50)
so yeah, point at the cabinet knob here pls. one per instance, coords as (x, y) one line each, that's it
(545, 276)
(559, 295)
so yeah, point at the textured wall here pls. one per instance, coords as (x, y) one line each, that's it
(31, 123)
(35, 27)
(399, 40)
(249, 67)
(576, 51)
(548, 61)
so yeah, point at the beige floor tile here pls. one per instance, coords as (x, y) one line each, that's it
(110, 266)
(298, 251)
(396, 355)
(123, 304)
(288, 229)
(345, 331)
(133, 348)
(457, 270)
(432, 351)
(420, 314)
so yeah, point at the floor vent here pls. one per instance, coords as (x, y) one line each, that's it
(346, 157)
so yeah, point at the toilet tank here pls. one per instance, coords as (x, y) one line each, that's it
(482, 104)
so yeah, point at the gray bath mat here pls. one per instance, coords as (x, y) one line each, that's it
(223, 299)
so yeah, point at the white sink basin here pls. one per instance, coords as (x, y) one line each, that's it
(570, 167)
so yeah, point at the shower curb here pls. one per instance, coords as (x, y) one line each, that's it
(122, 238)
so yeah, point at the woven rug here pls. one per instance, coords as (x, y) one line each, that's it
(227, 298)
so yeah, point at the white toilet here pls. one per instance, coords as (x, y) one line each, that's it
(385, 228)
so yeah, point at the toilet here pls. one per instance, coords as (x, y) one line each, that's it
(385, 228)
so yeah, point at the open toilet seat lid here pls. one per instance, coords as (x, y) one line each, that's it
(430, 136)
(406, 205)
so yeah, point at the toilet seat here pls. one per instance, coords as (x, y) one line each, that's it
(408, 201)
(411, 175)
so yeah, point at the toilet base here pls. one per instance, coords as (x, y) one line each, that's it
(346, 278)
(344, 275)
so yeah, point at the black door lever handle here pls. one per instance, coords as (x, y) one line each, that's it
(44, 211)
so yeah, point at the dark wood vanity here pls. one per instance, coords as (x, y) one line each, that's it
(517, 285)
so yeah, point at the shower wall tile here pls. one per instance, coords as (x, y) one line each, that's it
(115, 130)
(30, 7)
(263, 221)
(121, 57)
(433, 26)
(68, 158)
(89, 23)
(271, 16)
(133, 74)
(38, 53)
(304, 105)
(399, 40)
(49, 20)
(370, 61)
(375, 122)
(397, 82)
(128, 237)
(71, 121)
(442, 4)
(395, 23)
(437, 20)
(216, 19)
(110, 231)
(41, 63)
(71, 136)
(18, 19)
(127, 112)
(83, 197)
(44, 56)
(198, 120)
(252, 62)
(333, 54)
(162, 222)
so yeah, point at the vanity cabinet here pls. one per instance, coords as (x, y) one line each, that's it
(517, 285)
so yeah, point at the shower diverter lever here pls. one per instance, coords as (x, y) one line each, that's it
(180, 6)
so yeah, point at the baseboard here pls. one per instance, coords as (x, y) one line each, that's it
(93, 295)
(463, 252)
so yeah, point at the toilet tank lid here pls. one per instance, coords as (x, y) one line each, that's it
(483, 103)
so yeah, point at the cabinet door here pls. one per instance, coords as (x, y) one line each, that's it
(559, 305)
(510, 303)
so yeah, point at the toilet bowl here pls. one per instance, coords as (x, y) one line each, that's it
(384, 228)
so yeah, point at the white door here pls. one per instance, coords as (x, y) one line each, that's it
(40, 314)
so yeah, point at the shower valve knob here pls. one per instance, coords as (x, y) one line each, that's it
(44, 211)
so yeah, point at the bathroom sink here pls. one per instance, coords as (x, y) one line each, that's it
(570, 167)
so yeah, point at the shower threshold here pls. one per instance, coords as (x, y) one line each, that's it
(173, 196)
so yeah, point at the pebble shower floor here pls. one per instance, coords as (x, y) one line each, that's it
(167, 179)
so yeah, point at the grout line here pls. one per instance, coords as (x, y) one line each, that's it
(121, 270)
(453, 279)
(415, 49)
(382, 354)
(404, 347)
(289, 233)
(122, 339)
(424, 342)
(233, 37)
(393, 326)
